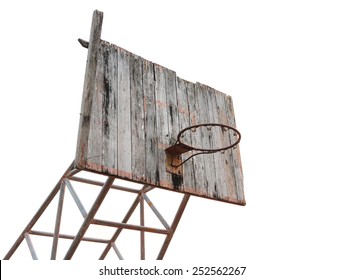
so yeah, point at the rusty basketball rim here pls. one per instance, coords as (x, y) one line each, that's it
(180, 147)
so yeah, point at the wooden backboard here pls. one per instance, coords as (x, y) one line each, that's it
(133, 109)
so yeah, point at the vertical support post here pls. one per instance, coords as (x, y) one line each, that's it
(38, 214)
(142, 233)
(30, 245)
(97, 203)
(173, 226)
(58, 222)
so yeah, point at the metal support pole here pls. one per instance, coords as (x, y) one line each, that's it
(73, 172)
(142, 233)
(89, 217)
(100, 184)
(115, 248)
(128, 226)
(30, 245)
(58, 222)
(76, 198)
(67, 236)
(154, 209)
(38, 214)
(173, 226)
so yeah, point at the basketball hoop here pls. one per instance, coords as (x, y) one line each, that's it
(174, 161)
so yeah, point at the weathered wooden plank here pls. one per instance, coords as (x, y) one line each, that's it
(236, 159)
(172, 106)
(95, 151)
(173, 119)
(124, 115)
(220, 186)
(88, 90)
(198, 161)
(227, 169)
(110, 109)
(184, 122)
(190, 88)
(151, 148)
(162, 130)
(193, 120)
(137, 118)
(206, 138)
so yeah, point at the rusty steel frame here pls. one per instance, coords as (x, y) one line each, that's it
(30, 245)
(89, 218)
(76, 198)
(68, 236)
(142, 224)
(58, 221)
(38, 214)
(116, 250)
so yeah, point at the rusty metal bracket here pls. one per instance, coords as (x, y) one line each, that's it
(173, 157)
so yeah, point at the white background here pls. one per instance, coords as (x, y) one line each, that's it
(281, 61)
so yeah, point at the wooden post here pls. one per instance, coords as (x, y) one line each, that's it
(88, 88)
